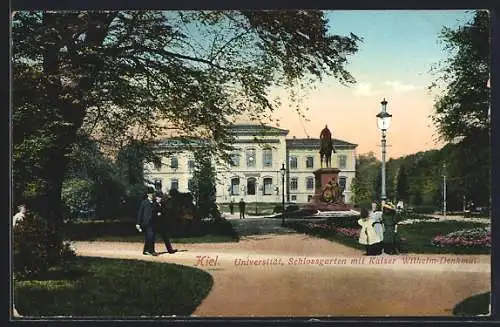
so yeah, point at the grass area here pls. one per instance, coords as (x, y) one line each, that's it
(112, 287)
(124, 231)
(418, 237)
(474, 305)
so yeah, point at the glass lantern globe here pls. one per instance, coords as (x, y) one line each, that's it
(383, 117)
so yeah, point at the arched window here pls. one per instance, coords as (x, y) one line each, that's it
(268, 186)
(174, 184)
(251, 186)
(309, 162)
(309, 183)
(235, 186)
(342, 182)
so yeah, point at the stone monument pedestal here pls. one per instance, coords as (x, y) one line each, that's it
(325, 178)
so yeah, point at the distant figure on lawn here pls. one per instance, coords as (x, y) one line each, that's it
(368, 236)
(145, 222)
(231, 206)
(163, 213)
(241, 205)
(20, 214)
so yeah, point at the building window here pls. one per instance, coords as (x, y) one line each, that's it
(309, 162)
(251, 186)
(157, 184)
(342, 161)
(268, 186)
(190, 185)
(293, 162)
(174, 163)
(342, 182)
(267, 158)
(309, 198)
(174, 184)
(235, 159)
(294, 184)
(251, 158)
(191, 164)
(309, 183)
(235, 186)
(294, 198)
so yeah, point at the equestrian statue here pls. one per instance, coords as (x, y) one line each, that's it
(326, 147)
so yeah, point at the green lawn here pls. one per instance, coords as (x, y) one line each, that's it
(110, 287)
(474, 305)
(418, 237)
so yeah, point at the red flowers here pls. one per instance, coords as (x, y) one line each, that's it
(476, 237)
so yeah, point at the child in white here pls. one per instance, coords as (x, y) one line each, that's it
(368, 235)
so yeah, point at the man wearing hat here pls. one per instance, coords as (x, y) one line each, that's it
(389, 219)
(145, 222)
(164, 214)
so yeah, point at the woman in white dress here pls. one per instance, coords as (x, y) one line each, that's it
(378, 224)
(368, 236)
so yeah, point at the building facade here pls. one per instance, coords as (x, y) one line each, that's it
(254, 172)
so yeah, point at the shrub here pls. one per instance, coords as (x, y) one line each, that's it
(425, 209)
(37, 248)
(77, 194)
(278, 208)
(292, 207)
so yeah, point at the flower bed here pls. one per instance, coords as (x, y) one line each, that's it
(326, 229)
(476, 237)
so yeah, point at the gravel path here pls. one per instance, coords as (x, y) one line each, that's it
(299, 275)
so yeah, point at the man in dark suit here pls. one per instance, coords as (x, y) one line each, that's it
(145, 222)
(163, 219)
(241, 205)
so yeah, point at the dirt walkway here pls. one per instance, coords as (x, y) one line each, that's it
(299, 275)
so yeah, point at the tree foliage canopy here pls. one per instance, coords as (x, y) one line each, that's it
(464, 107)
(125, 75)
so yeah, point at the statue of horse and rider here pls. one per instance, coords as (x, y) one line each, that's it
(326, 147)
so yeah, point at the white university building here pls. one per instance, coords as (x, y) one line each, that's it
(254, 174)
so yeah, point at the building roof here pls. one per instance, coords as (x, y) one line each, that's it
(312, 143)
(257, 130)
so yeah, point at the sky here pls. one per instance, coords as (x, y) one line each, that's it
(393, 62)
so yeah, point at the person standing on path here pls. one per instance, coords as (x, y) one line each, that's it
(241, 205)
(145, 222)
(389, 219)
(378, 225)
(163, 217)
(368, 236)
(231, 207)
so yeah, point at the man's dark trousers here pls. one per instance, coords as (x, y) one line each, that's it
(149, 239)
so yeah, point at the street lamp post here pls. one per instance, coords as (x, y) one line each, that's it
(383, 122)
(283, 171)
(444, 189)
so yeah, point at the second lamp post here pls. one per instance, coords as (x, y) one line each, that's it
(383, 122)
(283, 171)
